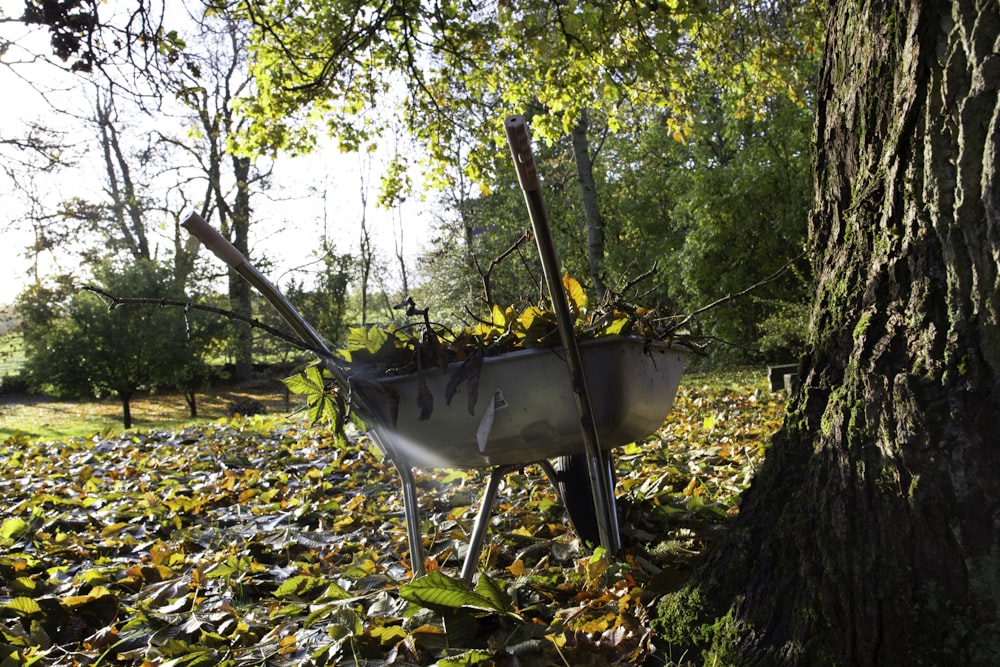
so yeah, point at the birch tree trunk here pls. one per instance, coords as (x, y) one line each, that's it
(871, 535)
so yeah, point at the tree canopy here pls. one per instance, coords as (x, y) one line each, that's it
(77, 347)
(657, 122)
(454, 69)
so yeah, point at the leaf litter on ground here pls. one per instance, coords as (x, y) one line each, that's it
(264, 541)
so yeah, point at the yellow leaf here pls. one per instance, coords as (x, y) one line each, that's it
(694, 488)
(575, 295)
(517, 568)
(499, 319)
(287, 644)
(24, 606)
(599, 624)
(115, 528)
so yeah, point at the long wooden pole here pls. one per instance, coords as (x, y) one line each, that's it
(600, 482)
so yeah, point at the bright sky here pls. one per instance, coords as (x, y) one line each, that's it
(286, 230)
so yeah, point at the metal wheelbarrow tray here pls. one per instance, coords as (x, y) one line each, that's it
(524, 414)
(525, 410)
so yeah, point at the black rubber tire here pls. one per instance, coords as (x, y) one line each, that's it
(573, 479)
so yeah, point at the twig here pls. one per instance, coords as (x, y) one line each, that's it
(485, 275)
(118, 301)
(732, 297)
(635, 281)
(476, 318)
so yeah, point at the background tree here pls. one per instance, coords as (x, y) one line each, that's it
(323, 303)
(207, 80)
(582, 72)
(76, 347)
(164, 120)
(869, 535)
(719, 211)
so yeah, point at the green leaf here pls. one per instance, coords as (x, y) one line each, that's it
(297, 586)
(308, 382)
(616, 326)
(488, 589)
(24, 606)
(437, 590)
(367, 339)
(474, 657)
(311, 384)
(13, 528)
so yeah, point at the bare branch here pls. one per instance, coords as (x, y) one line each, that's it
(118, 301)
(732, 297)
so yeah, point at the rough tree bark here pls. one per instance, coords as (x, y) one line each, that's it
(871, 535)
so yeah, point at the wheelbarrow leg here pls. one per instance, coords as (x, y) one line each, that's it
(482, 523)
(411, 511)
(411, 506)
(551, 475)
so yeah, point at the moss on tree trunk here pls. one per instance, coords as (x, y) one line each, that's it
(871, 535)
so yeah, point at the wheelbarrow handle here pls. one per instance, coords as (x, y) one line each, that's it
(527, 174)
(212, 239)
(227, 252)
(524, 159)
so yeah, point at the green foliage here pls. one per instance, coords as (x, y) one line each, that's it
(439, 591)
(311, 383)
(699, 118)
(784, 330)
(323, 303)
(331, 62)
(11, 360)
(76, 347)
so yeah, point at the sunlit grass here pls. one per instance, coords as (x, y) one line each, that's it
(41, 418)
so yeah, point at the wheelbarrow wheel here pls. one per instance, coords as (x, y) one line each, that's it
(573, 479)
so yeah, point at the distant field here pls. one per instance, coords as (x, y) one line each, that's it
(40, 418)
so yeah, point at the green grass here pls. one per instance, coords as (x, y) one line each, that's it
(39, 418)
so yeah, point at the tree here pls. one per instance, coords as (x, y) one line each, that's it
(564, 64)
(720, 211)
(208, 81)
(322, 304)
(137, 62)
(869, 536)
(75, 347)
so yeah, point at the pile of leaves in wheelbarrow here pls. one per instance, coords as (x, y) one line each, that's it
(268, 542)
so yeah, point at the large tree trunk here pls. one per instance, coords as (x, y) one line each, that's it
(871, 535)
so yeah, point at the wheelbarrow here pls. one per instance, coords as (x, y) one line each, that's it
(528, 412)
